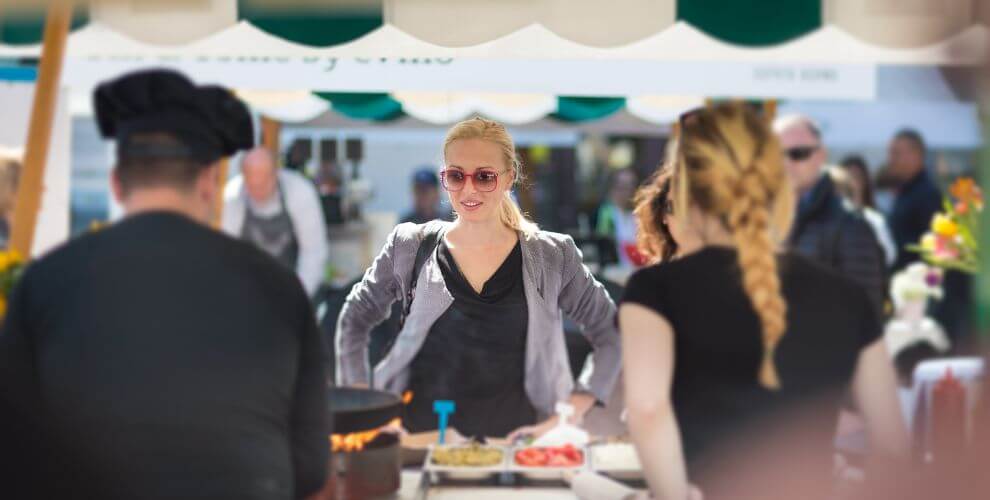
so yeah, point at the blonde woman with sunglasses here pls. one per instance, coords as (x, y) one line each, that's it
(482, 299)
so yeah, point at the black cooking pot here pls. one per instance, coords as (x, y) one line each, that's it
(375, 470)
(357, 410)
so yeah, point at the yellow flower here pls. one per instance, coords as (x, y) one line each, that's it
(943, 225)
(9, 259)
(928, 242)
(3, 306)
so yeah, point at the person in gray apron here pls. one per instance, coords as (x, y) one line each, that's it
(276, 234)
(278, 210)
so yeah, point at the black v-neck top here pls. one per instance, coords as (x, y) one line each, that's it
(475, 354)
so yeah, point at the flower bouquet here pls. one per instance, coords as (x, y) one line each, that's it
(953, 241)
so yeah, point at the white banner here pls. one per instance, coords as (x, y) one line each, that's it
(557, 77)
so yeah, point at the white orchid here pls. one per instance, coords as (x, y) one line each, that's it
(917, 282)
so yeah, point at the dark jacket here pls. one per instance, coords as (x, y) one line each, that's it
(916, 203)
(832, 232)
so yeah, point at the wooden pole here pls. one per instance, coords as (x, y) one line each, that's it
(270, 130)
(221, 183)
(31, 186)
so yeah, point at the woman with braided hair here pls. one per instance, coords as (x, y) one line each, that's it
(734, 333)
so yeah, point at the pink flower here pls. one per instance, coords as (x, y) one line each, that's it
(945, 249)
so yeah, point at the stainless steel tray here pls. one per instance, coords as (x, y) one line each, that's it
(548, 472)
(464, 471)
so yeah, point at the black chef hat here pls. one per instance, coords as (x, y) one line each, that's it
(208, 122)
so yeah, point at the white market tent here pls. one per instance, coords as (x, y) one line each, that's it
(659, 56)
(524, 56)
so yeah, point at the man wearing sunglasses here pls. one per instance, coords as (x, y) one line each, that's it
(827, 228)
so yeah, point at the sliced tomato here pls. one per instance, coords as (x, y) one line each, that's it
(555, 456)
(573, 455)
(559, 460)
(531, 457)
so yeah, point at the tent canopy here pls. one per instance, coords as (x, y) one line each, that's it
(563, 59)
(590, 23)
(798, 49)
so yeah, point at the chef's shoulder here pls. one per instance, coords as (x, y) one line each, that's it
(64, 264)
(55, 261)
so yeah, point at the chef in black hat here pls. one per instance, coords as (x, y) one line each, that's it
(183, 363)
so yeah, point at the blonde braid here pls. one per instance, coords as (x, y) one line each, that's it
(749, 219)
(738, 175)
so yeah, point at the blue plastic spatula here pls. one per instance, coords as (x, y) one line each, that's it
(443, 409)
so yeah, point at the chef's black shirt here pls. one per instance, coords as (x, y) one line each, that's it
(175, 361)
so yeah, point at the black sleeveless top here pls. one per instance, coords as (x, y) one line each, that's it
(475, 354)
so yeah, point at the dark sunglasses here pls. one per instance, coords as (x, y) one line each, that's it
(800, 153)
(484, 180)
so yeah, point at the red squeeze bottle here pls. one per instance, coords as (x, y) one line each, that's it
(635, 256)
(948, 418)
